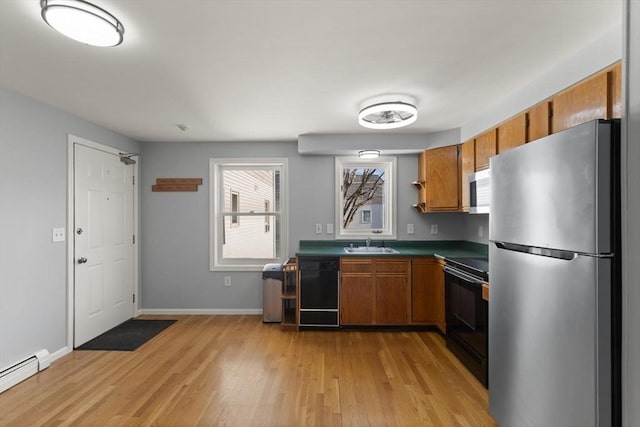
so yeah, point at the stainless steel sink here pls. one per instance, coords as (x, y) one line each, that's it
(370, 250)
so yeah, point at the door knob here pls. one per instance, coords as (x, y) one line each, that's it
(82, 260)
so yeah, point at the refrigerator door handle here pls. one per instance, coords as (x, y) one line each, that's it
(534, 250)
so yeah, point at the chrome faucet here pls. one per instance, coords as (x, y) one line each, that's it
(368, 241)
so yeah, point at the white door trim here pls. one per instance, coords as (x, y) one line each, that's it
(71, 140)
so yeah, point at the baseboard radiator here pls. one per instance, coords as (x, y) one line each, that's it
(23, 369)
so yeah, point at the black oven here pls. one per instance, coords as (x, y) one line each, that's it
(467, 314)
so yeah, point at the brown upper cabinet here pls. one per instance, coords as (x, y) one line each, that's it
(442, 183)
(467, 166)
(580, 103)
(485, 148)
(615, 85)
(444, 172)
(597, 97)
(512, 133)
(539, 123)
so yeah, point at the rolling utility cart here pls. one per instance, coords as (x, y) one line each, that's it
(289, 295)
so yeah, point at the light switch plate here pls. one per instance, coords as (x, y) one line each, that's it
(434, 228)
(318, 228)
(57, 235)
(410, 229)
(481, 231)
(329, 228)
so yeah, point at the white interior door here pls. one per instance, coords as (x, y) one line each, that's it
(103, 231)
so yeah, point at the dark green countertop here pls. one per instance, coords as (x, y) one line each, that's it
(406, 248)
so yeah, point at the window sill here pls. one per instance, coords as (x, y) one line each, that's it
(241, 268)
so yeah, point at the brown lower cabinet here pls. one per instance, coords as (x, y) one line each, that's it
(391, 291)
(375, 291)
(356, 300)
(427, 292)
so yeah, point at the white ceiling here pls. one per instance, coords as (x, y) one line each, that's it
(248, 70)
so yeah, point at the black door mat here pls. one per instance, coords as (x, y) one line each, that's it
(127, 336)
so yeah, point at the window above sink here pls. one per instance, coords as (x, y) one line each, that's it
(365, 198)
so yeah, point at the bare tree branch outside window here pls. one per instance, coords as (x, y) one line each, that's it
(365, 197)
(359, 186)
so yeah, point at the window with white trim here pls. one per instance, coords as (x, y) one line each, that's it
(248, 213)
(365, 198)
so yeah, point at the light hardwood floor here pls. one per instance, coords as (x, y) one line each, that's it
(237, 371)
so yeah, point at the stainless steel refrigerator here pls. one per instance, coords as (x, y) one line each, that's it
(554, 318)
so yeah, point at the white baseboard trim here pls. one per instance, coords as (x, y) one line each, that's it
(199, 311)
(58, 354)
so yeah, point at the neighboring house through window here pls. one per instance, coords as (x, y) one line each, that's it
(248, 213)
(365, 216)
(235, 203)
(365, 198)
(267, 218)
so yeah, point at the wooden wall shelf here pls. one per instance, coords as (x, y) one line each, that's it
(420, 207)
(176, 184)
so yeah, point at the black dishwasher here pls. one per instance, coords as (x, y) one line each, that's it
(319, 291)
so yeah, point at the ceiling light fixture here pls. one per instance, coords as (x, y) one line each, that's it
(369, 154)
(387, 115)
(83, 22)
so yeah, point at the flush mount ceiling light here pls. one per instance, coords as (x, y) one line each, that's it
(387, 115)
(83, 22)
(369, 154)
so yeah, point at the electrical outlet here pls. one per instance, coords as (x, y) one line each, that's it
(57, 235)
(329, 228)
(434, 228)
(410, 229)
(481, 231)
(227, 280)
(318, 228)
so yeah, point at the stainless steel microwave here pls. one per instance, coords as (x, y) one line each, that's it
(479, 192)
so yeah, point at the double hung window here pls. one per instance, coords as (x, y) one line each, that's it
(248, 213)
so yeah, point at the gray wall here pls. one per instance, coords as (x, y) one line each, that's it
(474, 224)
(33, 197)
(175, 229)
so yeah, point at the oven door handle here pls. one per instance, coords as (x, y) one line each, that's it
(459, 274)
